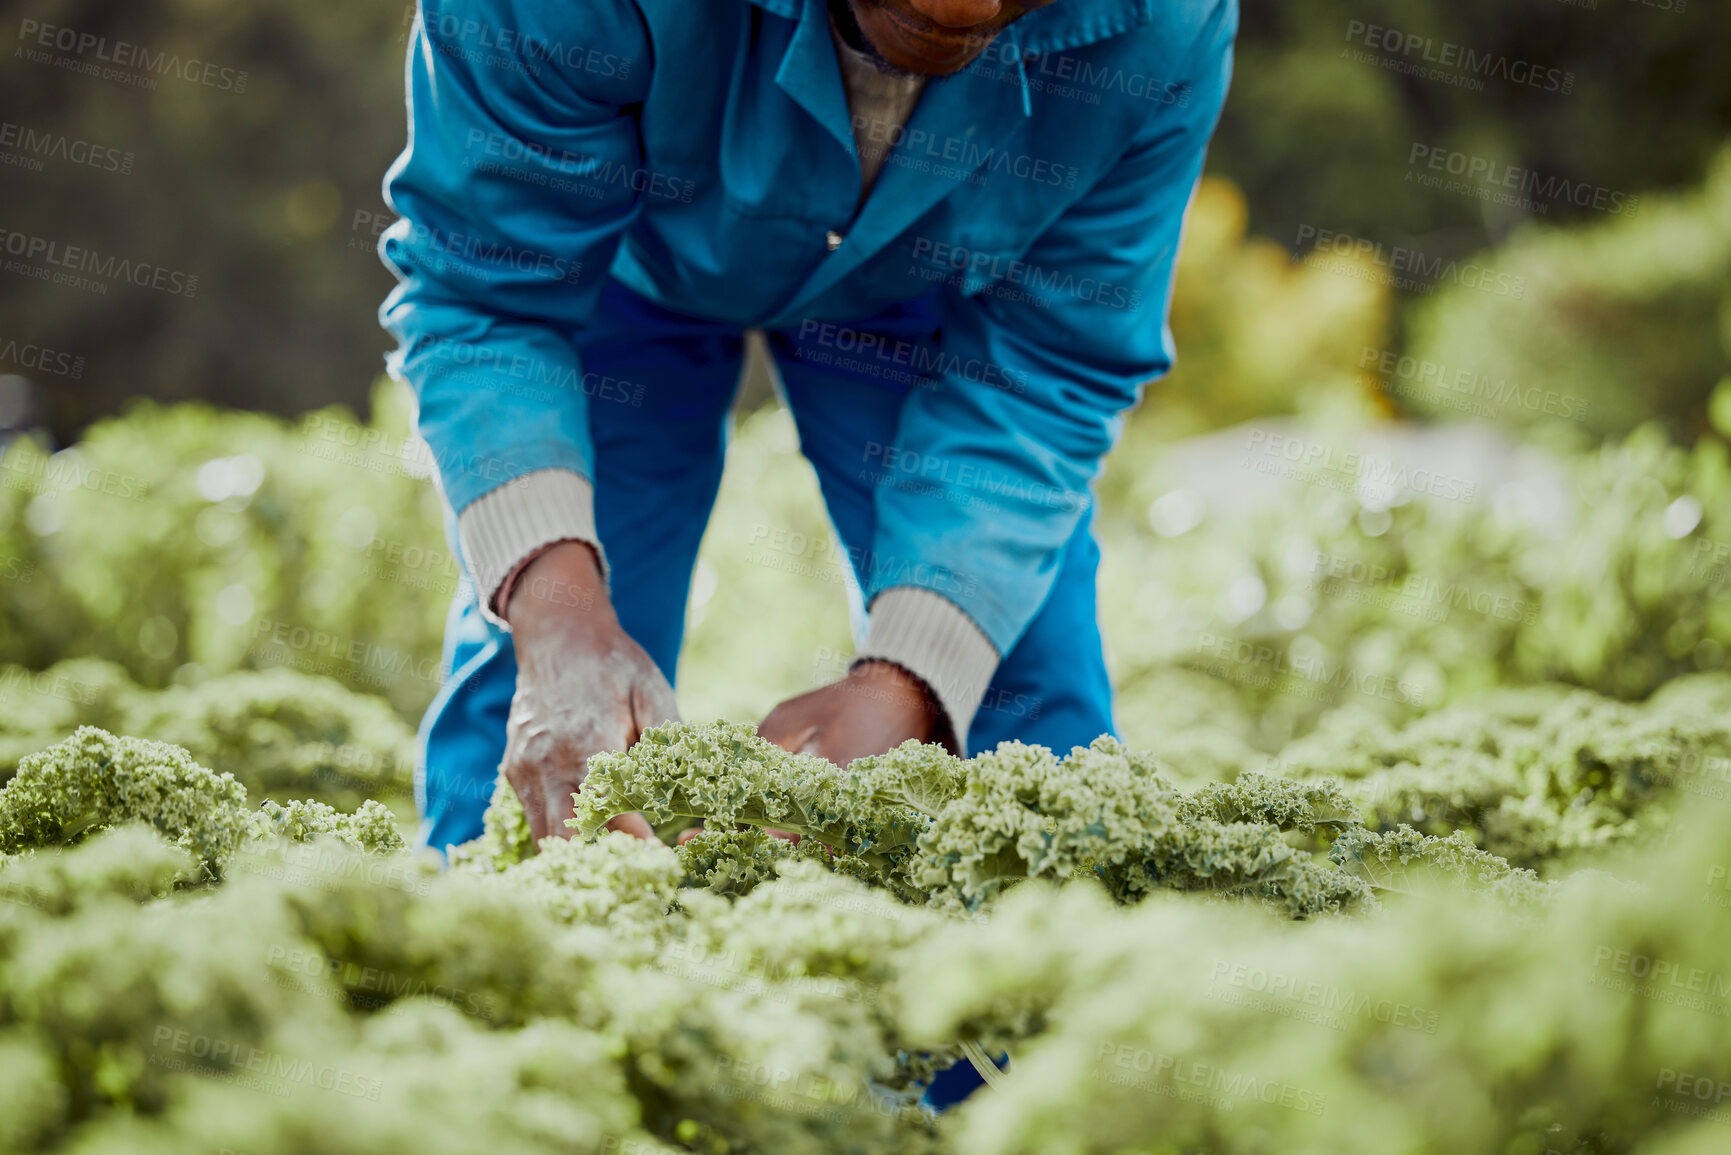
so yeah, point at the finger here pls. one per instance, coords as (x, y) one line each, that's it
(788, 734)
(784, 835)
(534, 809)
(687, 835)
(652, 703)
(558, 795)
(633, 824)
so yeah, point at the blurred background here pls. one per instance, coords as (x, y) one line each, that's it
(1511, 281)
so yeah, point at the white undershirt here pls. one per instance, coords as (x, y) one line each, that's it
(880, 103)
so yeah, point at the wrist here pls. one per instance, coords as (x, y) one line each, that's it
(924, 716)
(560, 582)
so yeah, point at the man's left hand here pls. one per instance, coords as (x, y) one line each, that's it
(874, 709)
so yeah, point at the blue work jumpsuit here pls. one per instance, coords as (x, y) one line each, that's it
(600, 196)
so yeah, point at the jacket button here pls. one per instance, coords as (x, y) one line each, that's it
(834, 239)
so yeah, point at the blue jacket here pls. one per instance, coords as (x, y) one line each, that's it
(701, 152)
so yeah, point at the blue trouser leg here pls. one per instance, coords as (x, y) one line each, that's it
(657, 467)
(658, 459)
(1052, 688)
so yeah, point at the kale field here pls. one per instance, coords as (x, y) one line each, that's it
(1419, 839)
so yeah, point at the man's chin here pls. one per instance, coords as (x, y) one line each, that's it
(904, 51)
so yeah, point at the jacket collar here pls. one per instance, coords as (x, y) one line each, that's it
(1055, 28)
(972, 110)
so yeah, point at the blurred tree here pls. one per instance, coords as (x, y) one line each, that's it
(1642, 299)
(239, 144)
(1258, 332)
(244, 145)
(1335, 102)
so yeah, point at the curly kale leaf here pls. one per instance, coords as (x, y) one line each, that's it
(505, 839)
(920, 776)
(132, 862)
(735, 862)
(1533, 776)
(370, 828)
(1405, 860)
(1107, 812)
(725, 774)
(1024, 814)
(1279, 802)
(93, 781)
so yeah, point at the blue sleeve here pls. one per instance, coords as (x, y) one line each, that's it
(995, 474)
(517, 111)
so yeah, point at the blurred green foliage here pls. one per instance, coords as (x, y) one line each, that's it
(1238, 608)
(1321, 129)
(1258, 332)
(1636, 298)
(182, 541)
(269, 195)
(282, 734)
(1604, 568)
(252, 185)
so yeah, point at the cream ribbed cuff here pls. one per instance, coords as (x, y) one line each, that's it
(504, 527)
(932, 638)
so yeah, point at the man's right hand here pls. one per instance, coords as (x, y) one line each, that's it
(583, 686)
